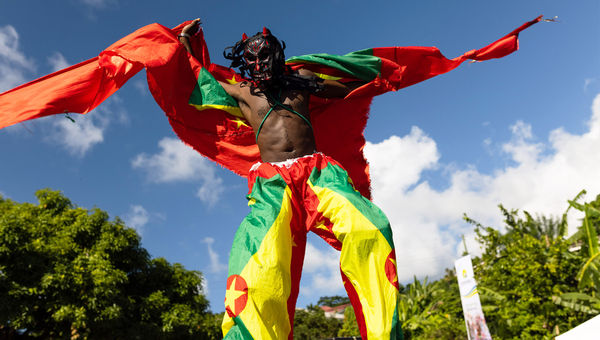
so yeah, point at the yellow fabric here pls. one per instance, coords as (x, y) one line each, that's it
(232, 110)
(362, 259)
(268, 277)
(326, 76)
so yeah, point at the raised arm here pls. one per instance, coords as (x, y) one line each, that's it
(332, 88)
(187, 32)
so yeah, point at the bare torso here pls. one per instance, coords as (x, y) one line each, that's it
(284, 134)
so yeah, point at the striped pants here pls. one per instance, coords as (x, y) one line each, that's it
(288, 199)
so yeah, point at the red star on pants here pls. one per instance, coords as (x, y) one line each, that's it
(236, 295)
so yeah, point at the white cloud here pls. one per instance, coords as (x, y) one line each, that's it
(216, 266)
(137, 218)
(178, 162)
(174, 162)
(88, 130)
(13, 63)
(78, 136)
(427, 223)
(520, 147)
(141, 86)
(98, 3)
(396, 166)
(321, 273)
(57, 61)
(210, 191)
(204, 288)
(587, 82)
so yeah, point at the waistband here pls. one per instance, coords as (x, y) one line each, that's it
(287, 163)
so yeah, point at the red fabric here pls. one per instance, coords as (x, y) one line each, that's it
(172, 73)
(405, 66)
(79, 88)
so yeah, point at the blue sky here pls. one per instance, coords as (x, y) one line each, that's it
(523, 130)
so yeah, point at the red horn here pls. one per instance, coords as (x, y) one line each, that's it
(266, 31)
(244, 36)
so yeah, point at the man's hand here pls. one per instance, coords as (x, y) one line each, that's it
(333, 88)
(191, 28)
(187, 32)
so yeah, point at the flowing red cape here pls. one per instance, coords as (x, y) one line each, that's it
(173, 75)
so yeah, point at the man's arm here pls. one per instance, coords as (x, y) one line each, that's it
(187, 32)
(332, 88)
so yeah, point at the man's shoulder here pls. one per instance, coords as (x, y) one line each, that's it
(303, 72)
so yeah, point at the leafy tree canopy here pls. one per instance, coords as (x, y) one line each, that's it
(333, 301)
(66, 271)
(520, 273)
(311, 323)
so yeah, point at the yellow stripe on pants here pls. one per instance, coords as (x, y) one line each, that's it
(362, 259)
(269, 281)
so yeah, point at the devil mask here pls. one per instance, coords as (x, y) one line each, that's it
(258, 56)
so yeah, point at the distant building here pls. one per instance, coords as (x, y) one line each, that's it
(336, 312)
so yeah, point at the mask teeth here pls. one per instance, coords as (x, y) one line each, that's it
(244, 37)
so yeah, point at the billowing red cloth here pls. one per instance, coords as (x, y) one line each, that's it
(172, 76)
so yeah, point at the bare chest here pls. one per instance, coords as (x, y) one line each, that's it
(285, 104)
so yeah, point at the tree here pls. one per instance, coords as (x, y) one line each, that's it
(446, 319)
(350, 326)
(333, 301)
(519, 273)
(66, 271)
(587, 298)
(312, 324)
(431, 310)
(211, 326)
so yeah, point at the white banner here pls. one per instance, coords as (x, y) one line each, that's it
(588, 330)
(476, 327)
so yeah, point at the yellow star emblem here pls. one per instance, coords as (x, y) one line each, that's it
(232, 80)
(239, 122)
(232, 294)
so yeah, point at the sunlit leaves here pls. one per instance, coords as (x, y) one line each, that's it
(587, 299)
(66, 271)
(520, 273)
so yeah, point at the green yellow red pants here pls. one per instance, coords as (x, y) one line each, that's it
(288, 199)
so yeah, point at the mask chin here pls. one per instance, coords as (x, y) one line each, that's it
(265, 75)
(262, 74)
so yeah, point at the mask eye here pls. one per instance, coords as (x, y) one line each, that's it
(250, 57)
(264, 54)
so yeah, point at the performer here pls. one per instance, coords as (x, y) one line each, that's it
(280, 114)
(294, 190)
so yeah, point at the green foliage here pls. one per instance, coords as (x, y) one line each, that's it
(587, 300)
(67, 271)
(526, 280)
(70, 272)
(432, 310)
(333, 301)
(349, 326)
(520, 274)
(211, 326)
(312, 324)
